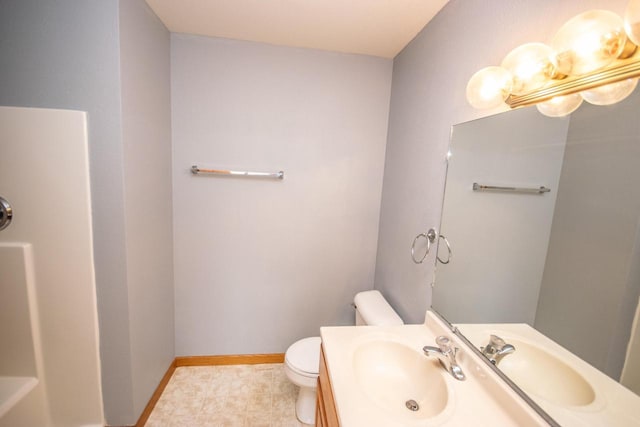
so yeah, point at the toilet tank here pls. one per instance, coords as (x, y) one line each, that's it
(373, 310)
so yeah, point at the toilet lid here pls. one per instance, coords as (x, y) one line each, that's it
(304, 355)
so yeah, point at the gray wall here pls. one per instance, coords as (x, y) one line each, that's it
(66, 54)
(428, 96)
(261, 263)
(146, 137)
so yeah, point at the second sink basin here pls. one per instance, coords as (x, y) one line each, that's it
(392, 374)
(542, 374)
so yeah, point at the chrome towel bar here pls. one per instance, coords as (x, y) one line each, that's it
(540, 190)
(277, 175)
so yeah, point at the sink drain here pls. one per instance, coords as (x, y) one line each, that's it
(412, 405)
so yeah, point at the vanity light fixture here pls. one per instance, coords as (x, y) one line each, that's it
(593, 57)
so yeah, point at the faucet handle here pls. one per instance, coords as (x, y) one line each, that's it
(496, 349)
(444, 344)
(496, 341)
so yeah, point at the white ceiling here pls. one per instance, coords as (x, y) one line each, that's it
(369, 27)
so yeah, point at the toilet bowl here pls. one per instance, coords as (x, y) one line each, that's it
(302, 359)
(301, 365)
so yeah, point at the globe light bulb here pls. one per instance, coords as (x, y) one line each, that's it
(588, 42)
(530, 65)
(632, 21)
(560, 106)
(611, 93)
(489, 87)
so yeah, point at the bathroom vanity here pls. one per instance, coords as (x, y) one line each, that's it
(380, 376)
(326, 415)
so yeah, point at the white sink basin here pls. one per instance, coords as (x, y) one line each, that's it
(540, 373)
(390, 374)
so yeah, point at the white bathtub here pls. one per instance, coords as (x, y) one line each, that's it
(19, 338)
(13, 389)
(48, 312)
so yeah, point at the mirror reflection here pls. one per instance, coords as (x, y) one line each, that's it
(553, 276)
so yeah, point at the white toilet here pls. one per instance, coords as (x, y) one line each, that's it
(302, 359)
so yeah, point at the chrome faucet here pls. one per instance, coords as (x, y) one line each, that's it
(446, 354)
(496, 349)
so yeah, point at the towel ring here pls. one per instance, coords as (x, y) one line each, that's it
(431, 237)
(448, 250)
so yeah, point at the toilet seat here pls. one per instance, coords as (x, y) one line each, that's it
(301, 373)
(303, 357)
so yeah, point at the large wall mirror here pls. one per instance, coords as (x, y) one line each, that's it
(553, 274)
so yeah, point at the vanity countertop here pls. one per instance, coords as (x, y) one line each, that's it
(356, 354)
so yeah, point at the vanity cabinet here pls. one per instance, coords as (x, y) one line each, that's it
(326, 415)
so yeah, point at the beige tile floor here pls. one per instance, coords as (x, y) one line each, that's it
(227, 396)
